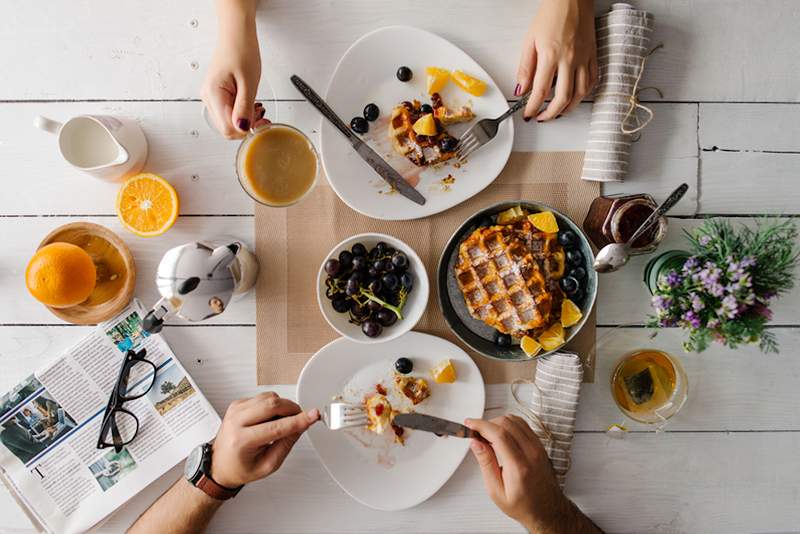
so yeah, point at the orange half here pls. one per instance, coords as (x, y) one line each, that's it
(147, 205)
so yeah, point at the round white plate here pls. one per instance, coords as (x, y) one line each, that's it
(372, 468)
(366, 74)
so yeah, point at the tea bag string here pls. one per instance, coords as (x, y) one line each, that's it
(635, 105)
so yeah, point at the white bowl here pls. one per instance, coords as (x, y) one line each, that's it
(415, 304)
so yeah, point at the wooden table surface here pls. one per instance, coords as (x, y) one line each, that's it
(728, 125)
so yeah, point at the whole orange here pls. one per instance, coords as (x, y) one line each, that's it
(60, 275)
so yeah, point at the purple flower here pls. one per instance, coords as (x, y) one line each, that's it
(729, 307)
(692, 319)
(661, 303)
(709, 277)
(697, 302)
(690, 265)
(704, 240)
(674, 279)
(712, 323)
(763, 311)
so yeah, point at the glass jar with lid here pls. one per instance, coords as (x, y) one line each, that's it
(615, 218)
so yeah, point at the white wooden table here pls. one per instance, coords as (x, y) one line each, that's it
(729, 125)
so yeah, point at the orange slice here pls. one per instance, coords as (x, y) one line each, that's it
(61, 275)
(529, 346)
(426, 125)
(544, 221)
(570, 313)
(444, 372)
(147, 205)
(510, 215)
(437, 79)
(552, 338)
(468, 83)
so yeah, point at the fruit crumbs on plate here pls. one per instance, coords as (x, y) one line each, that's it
(370, 285)
(147, 205)
(512, 273)
(61, 275)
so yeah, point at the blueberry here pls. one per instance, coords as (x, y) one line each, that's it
(340, 304)
(359, 263)
(485, 222)
(574, 257)
(569, 285)
(359, 125)
(371, 328)
(407, 281)
(568, 239)
(502, 340)
(578, 273)
(371, 112)
(332, 267)
(359, 250)
(448, 144)
(426, 108)
(386, 317)
(390, 281)
(345, 259)
(403, 366)
(404, 74)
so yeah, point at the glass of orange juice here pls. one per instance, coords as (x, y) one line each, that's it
(277, 165)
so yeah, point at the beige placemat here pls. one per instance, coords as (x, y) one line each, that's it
(292, 243)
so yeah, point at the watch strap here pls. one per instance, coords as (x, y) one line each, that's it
(207, 485)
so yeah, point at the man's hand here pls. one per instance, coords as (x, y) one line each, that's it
(255, 437)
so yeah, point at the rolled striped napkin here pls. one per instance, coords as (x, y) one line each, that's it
(623, 41)
(555, 403)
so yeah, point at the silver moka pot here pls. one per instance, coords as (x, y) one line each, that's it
(198, 280)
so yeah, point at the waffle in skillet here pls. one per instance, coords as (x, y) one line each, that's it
(508, 275)
(424, 150)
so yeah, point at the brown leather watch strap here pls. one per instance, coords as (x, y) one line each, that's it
(214, 490)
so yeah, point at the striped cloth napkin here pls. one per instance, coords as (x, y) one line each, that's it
(555, 402)
(623, 41)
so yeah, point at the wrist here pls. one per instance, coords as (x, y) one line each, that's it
(548, 519)
(219, 475)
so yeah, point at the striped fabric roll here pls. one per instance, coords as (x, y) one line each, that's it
(623, 40)
(555, 401)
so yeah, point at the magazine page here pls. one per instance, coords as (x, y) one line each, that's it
(50, 425)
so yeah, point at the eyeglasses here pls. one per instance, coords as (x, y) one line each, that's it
(136, 377)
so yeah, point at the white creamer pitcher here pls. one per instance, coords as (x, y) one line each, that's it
(109, 148)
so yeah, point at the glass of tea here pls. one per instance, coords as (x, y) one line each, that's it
(649, 386)
(277, 165)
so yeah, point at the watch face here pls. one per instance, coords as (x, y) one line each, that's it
(193, 461)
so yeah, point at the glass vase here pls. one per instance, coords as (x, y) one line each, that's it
(671, 260)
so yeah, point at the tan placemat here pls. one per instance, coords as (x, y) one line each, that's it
(292, 243)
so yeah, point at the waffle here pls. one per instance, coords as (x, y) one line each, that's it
(508, 275)
(425, 150)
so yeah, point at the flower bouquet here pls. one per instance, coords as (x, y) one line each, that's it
(723, 290)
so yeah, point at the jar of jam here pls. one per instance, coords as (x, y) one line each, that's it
(615, 218)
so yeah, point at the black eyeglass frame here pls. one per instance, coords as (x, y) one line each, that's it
(118, 398)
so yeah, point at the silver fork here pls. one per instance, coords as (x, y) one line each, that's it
(338, 415)
(485, 130)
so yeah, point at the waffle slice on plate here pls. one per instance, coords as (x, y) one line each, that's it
(508, 275)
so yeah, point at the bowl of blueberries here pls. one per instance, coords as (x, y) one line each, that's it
(372, 288)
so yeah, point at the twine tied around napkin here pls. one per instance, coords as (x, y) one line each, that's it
(557, 386)
(634, 101)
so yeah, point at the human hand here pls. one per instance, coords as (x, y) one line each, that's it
(560, 43)
(525, 487)
(230, 86)
(255, 437)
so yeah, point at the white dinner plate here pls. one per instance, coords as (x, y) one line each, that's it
(366, 74)
(372, 468)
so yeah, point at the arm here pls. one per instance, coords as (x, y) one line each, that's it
(255, 437)
(559, 49)
(525, 488)
(230, 86)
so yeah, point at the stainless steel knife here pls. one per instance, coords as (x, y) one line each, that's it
(437, 425)
(384, 170)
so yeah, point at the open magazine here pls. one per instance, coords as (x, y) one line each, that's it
(50, 424)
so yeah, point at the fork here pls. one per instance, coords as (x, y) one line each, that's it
(485, 130)
(339, 415)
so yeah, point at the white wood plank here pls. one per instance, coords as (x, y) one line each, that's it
(624, 299)
(750, 127)
(749, 182)
(161, 50)
(22, 236)
(200, 163)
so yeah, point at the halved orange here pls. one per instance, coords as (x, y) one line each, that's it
(147, 205)
(444, 372)
(61, 275)
(468, 83)
(570, 313)
(437, 79)
(529, 346)
(544, 221)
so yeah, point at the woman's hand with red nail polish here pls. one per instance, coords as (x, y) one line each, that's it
(559, 53)
(231, 82)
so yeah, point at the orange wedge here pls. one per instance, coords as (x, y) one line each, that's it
(437, 79)
(468, 83)
(529, 346)
(544, 221)
(426, 125)
(510, 215)
(444, 372)
(570, 313)
(147, 205)
(553, 337)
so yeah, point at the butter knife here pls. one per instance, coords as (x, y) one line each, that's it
(384, 170)
(437, 425)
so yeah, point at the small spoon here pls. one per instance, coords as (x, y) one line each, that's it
(615, 255)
